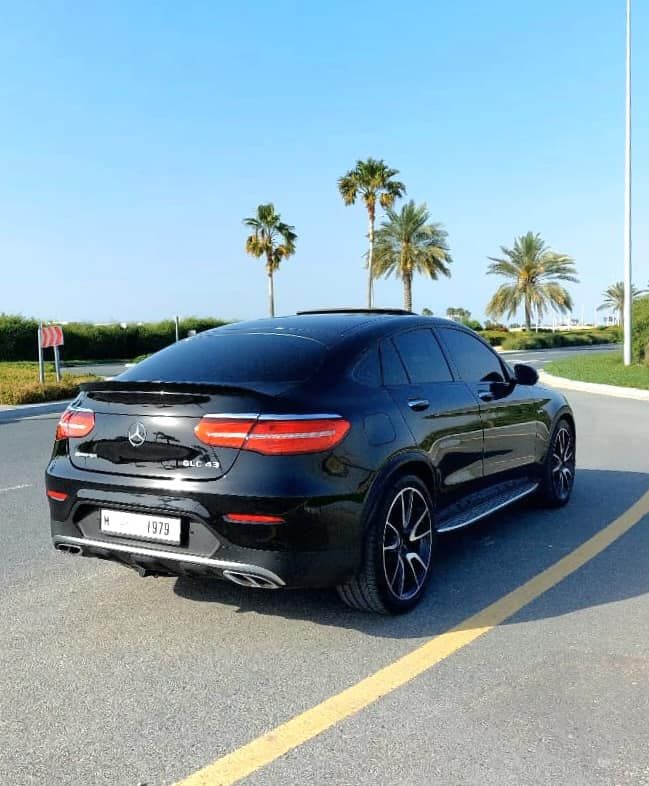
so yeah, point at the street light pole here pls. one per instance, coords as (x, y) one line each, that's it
(628, 294)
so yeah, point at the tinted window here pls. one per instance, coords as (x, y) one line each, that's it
(214, 357)
(422, 356)
(474, 361)
(393, 370)
(367, 370)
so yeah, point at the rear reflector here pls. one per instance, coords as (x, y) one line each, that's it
(75, 423)
(252, 518)
(273, 436)
(58, 496)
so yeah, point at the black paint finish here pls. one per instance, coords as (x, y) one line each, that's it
(459, 435)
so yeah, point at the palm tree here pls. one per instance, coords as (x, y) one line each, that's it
(534, 271)
(372, 180)
(453, 312)
(406, 243)
(271, 238)
(614, 299)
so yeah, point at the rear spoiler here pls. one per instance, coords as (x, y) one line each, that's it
(192, 388)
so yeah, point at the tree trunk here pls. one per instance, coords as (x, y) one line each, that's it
(528, 314)
(271, 293)
(407, 291)
(370, 262)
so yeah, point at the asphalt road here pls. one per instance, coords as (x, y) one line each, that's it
(107, 678)
(100, 369)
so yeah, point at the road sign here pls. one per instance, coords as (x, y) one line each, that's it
(51, 336)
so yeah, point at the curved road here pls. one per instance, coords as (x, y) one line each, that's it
(106, 678)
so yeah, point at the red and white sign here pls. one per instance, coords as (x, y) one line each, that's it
(51, 336)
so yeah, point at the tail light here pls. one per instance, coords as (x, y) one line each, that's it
(273, 436)
(75, 423)
(223, 432)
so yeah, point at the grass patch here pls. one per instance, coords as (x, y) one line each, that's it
(19, 384)
(606, 368)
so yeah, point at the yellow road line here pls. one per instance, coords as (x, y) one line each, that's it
(262, 751)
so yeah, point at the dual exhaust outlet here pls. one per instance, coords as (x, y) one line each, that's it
(250, 580)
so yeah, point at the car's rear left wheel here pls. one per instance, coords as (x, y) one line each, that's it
(398, 552)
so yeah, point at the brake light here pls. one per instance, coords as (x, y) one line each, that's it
(273, 436)
(75, 423)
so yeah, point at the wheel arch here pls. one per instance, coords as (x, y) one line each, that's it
(563, 413)
(406, 463)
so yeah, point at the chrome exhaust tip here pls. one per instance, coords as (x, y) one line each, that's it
(244, 579)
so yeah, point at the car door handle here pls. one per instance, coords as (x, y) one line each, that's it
(418, 404)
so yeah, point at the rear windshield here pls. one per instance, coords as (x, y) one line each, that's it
(233, 358)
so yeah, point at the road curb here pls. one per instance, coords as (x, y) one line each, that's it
(638, 394)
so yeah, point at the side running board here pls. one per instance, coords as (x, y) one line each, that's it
(477, 506)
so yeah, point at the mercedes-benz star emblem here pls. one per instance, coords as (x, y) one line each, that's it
(136, 434)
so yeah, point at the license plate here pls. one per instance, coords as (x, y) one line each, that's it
(141, 525)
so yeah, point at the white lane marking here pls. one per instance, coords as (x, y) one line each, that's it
(15, 488)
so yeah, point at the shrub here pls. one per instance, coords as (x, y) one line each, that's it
(472, 323)
(641, 330)
(548, 340)
(84, 341)
(494, 337)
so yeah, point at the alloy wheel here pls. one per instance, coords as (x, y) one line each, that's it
(407, 543)
(563, 463)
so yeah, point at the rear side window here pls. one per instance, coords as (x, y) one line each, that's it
(393, 371)
(367, 370)
(474, 361)
(423, 357)
(232, 358)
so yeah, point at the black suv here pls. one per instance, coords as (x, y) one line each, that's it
(322, 449)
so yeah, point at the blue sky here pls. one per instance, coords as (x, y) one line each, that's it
(134, 137)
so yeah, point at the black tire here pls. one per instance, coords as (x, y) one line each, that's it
(558, 475)
(398, 551)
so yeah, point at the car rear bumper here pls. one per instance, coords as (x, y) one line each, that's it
(156, 562)
(263, 569)
(318, 545)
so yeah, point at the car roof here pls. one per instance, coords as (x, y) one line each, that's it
(329, 327)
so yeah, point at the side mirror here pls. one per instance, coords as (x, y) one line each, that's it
(525, 375)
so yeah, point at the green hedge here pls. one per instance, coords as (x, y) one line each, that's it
(495, 337)
(641, 330)
(548, 340)
(83, 341)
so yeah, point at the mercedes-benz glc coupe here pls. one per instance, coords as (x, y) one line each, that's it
(323, 449)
